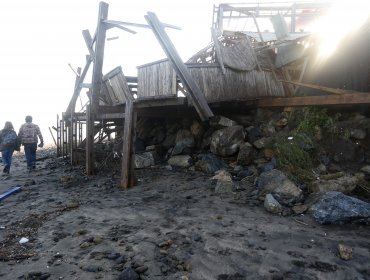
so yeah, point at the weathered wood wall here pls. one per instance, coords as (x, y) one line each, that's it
(115, 87)
(234, 85)
(156, 79)
(159, 79)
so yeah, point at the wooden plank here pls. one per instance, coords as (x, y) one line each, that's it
(52, 135)
(218, 50)
(96, 87)
(323, 88)
(77, 89)
(111, 25)
(195, 93)
(99, 55)
(343, 99)
(88, 41)
(139, 24)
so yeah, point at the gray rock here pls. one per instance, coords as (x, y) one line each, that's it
(226, 141)
(344, 184)
(180, 161)
(197, 130)
(245, 156)
(299, 209)
(144, 160)
(261, 143)
(358, 134)
(276, 183)
(366, 169)
(281, 122)
(209, 163)
(338, 208)
(268, 129)
(224, 182)
(272, 205)
(128, 274)
(184, 142)
(221, 122)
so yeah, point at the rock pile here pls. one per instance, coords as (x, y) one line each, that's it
(281, 158)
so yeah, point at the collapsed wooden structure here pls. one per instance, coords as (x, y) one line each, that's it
(251, 68)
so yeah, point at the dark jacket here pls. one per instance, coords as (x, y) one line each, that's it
(15, 145)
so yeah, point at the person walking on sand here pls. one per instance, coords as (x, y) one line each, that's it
(8, 140)
(28, 134)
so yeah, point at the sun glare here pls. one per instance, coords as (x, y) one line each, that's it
(341, 19)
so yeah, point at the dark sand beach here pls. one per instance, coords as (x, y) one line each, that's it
(171, 226)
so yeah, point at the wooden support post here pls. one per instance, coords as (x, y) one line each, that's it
(118, 84)
(128, 178)
(90, 157)
(59, 144)
(196, 95)
(96, 87)
(71, 120)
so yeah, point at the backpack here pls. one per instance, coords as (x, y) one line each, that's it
(10, 138)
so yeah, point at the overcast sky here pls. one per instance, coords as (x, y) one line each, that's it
(40, 38)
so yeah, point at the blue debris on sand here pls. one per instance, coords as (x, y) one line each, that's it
(10, 192)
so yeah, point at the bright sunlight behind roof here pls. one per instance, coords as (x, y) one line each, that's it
(340, 20)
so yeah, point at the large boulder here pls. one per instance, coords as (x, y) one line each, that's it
(278, 184)
(144, 160)
(209, 163)
(345, 184)
(338, 208)
(226, 141)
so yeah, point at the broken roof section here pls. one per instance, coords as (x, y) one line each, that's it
(276, 37)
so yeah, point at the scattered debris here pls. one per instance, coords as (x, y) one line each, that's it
(345, 252)
(10, 192)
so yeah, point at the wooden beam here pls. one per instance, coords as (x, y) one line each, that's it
(192, 87)
(88, 41)
(96, 87)
(112, 25)
(323, 88)
(139, 24)
(343, 99)
(72, 103)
